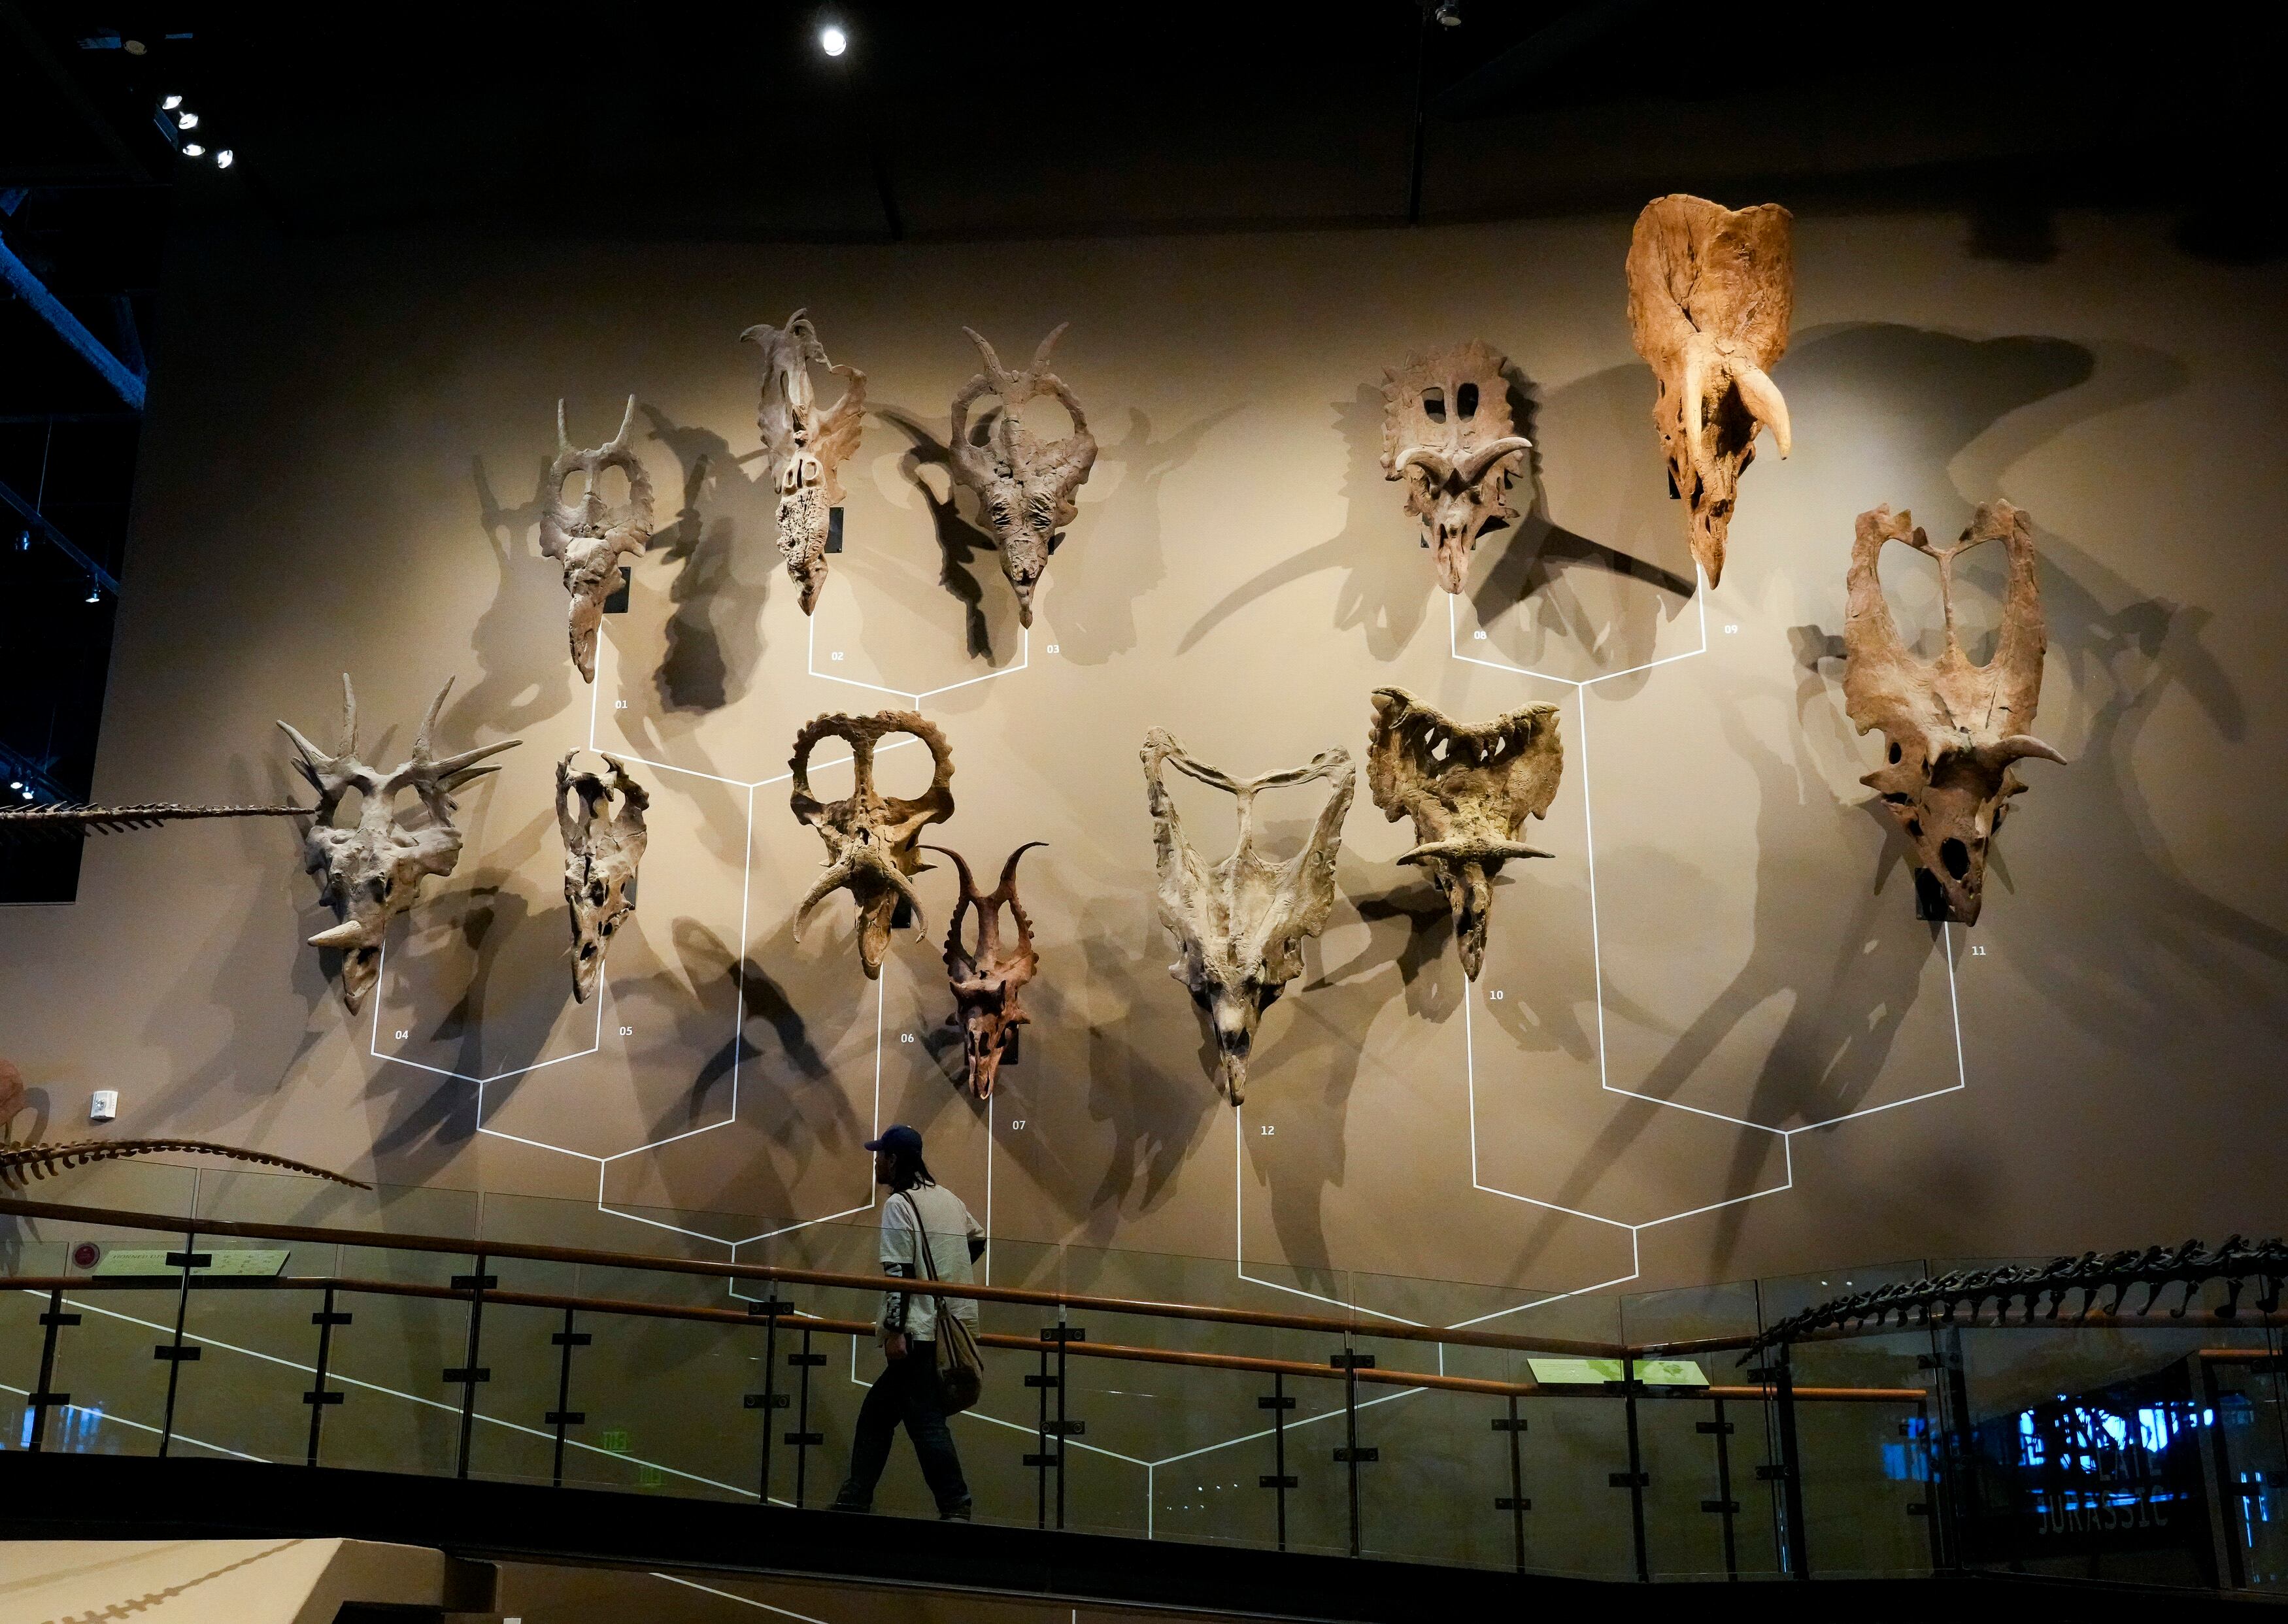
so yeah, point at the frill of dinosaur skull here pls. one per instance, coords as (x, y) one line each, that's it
(1025, 487)
(603, 846)
(804, 444)
(871, 838)
(1448, 434)
(592, 537)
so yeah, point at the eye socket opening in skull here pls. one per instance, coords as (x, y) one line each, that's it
(1433, 404)
(1466, 400)
(1955, 856)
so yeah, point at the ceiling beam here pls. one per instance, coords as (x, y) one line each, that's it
(28, 286)
(37, 523)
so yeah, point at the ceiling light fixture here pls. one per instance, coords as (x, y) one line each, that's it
(186, 120)
(169, 103)
(833, 40)
(94, 593)
(15, 783)
(225, 158)
(192, 149)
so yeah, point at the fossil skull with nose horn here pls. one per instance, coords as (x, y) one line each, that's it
(869, 837)
(602, 847)
(803, 446)
(988, 976)
(1446, 431)
(1024, 486)
(592, 537)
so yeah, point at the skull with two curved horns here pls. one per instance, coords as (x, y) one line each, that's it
(988, 976)
(1024, 486)
(1954, 728)
(602, 846)
(1446, 430)
(592, 537)
(870, 836)
(804, 446)
(371, 872)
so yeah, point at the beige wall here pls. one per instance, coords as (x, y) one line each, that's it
(340, 473)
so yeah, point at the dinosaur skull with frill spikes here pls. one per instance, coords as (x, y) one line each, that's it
(1446, 430)
(602, 846)
(869, 837)
(804, 446)
(987, 975)
(1024, 486)
(592, 537)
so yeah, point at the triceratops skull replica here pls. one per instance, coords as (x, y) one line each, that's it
(602, 845)
(1469, 791)
(988, 976)
(871, 838)
(1446, 431)
(1024, 488)
(803, 447)
(371, 872)
(1954, 728)
(1710, 292)
(1240, 926)
(590, 538)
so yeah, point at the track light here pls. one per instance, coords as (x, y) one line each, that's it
(94, 593)
(27, 794)
(192, 149)
(186, 120)
(833, 40)
(169, 103)
(225, 158)
(15, 783)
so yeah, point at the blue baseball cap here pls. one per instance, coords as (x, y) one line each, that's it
(899, 1138)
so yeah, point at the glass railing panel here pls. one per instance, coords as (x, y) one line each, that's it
(2245, 1371)
(1865, 1459)
(1701, 1427)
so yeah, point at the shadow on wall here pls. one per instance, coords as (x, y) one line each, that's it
(714, 639)
(966, 554)
(521, 646)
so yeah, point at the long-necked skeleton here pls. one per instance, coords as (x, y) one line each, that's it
(870, 836)
(803, 446)
(986, 974)
(1446, 430)
(1024, 486)
(602, 846)
(592, 537)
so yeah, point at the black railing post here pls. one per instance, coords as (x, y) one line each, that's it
(319, 1396)
(174, 1353)
(40, 1403)
(1634, 1479)
(1918, 1431)
(1797, 1543)
(1724, 1505)
(1278, 1402)
(564, 1415)
(1350, 1455)
(1514, 1502)
(770, 1401)
(1958, 1484)
(1041, 1460)
(2231, 1507)
(802, 1437)
(470, 1372)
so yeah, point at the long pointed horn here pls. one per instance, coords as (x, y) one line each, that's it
(993, 367)
(1041, 355)
(1473, 467)
(1763, 399)
(1695, 380)
(563, 441)
(2017, 747)
(833, 879)
(1009, 869)
(349, 718)
(1472, 851)
(1439, 469)
(619, 441)
(345, 935)
(421, 749)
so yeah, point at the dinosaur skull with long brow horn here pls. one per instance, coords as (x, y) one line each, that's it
(870, 836)
(371, 872)
(1446, 430)
(592, 537)
(1954, 728)
(803, 446)
(1239, 926)
(1469, 790)
(602, 846)
(1024, 486)
(1712, 290)
(987, 975)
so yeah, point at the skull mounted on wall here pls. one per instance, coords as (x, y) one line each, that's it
(988, 976)
(871, 838)
(1446, 431)
(803, 446)
(1712, 290)
(1239, 926)
(602, 846)
(1024, 486)
(371, 872)
(1469, 790)
(1954, 729)
(592, 537)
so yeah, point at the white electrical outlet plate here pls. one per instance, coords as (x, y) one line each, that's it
(104, 1107)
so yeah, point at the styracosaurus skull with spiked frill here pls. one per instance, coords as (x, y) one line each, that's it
(1446, 430)
(803, 446)
(1469, 790)
(988, 975)
(870, 836)
(591, 537)
(1024, 486)
(602, 846)
(371, 872)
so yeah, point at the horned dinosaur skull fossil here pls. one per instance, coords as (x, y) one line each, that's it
(1954, 728)
(1024, 486)
(371, 872)
(1469, 790)
(590, 538)
(804, 446)
(1710, 292)
(989, 978)
(1239, 926)
(602, 846)
(1446, 431)
(871, 838)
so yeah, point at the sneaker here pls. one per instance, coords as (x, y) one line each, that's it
(847, 1505)
(959, 1514)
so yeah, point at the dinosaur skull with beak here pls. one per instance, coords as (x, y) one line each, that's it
(371, 872)
(602, 847)
(1024, 486)
(591, 537)
(986, 977)
(871, 838)
(1446, 431)
(804, 446)
(1953, 728)
(1469, 790)
(1710, 292)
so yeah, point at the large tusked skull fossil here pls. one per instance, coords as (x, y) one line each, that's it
(1024, 486)
(1240, 926)
(1469, 790)
(371, 872)
(1446, 431)
(589, 539)
(1711, 293)
(804, 446)
(871, 838)
(1953, 728)
(602, 846)
(988, 976)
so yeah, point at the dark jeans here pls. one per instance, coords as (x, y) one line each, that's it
(906, 1391)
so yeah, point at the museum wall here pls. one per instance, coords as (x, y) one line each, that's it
(343, 470)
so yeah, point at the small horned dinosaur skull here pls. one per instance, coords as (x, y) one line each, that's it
(1469, 791)
(870, 836)
(1240, 926)
(803, 446)
(591, 539)
(1711, 293)
(1954, 728)
(602, 846)
(988, 978)
(371, 872)
(1024, 488)
(1446, 431)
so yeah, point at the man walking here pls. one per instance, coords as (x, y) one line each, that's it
(927, 1231)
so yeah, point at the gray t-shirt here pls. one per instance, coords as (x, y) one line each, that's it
(950, 1226)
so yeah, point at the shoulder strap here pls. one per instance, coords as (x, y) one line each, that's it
(921, 1234)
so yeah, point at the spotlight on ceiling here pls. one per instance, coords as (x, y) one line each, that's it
(169, 103)
(192, 149)
(27, 794)
(1448, 14)
(225, 158)
(94, 593)
(15, 783)
(833, 40)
